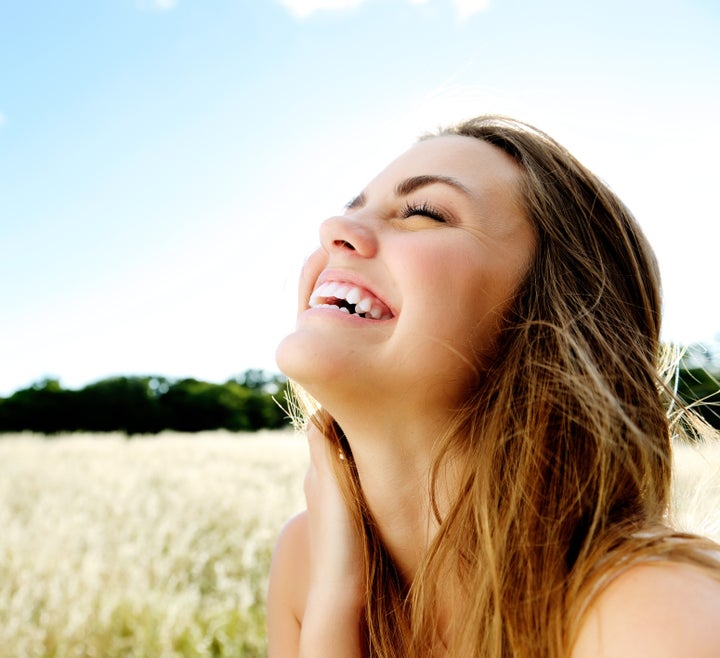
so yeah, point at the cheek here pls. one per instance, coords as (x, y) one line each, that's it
(308, 276)
(476, 301)
(494, 300)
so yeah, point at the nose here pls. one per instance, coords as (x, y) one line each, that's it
(347, 234)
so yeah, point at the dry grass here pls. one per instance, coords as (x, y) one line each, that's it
(152, 547)
(160, 547)
(696, 493)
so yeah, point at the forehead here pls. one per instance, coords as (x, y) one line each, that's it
(490, 176)
(479, 166)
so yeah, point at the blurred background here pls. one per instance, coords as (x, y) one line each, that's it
(165, 164)
(164, 167)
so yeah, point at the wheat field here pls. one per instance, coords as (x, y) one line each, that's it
(149, 547)
(159, 547)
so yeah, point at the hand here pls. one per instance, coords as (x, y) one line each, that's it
(335, 545)
(336, 594)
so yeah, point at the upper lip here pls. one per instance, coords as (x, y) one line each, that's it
(379, 307)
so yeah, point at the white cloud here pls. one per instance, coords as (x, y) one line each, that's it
(304, 8)
(466, 8)
(158, 5)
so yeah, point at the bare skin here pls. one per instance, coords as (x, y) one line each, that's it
(392, 382)
(316, 573)
(654, 610)
(658, 610)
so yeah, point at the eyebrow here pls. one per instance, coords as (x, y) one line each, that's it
(416, 182)
(409, 185)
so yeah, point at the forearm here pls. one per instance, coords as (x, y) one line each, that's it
(331, 628)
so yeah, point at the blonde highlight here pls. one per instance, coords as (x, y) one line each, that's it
(562, 450)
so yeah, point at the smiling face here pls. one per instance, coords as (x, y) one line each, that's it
(408, 287)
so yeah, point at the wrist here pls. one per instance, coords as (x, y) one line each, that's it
(345, 602)
(331, 627)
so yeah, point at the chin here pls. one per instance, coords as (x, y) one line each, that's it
(324, 368)
(286, 357)
(301, 358)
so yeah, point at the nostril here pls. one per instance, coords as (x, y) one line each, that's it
(343, 244)
(348, 235)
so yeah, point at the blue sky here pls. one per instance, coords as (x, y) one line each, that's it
(164, 164)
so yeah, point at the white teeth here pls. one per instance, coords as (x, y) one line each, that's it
(321, 292)
(353, 295)
(333, 307)
(328, 289)
(364, 305)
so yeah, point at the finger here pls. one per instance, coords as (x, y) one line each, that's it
(320, 447)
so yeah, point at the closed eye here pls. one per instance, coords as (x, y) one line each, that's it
(424, 209)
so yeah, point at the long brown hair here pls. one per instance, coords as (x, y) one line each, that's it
(564, 441)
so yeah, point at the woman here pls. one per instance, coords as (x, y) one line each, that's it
(490, 449)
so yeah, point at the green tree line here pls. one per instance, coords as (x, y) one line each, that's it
(147, 405)
(700, 389)
(698, 384)
(252, 401)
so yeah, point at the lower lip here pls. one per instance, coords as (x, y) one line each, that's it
(337, 314)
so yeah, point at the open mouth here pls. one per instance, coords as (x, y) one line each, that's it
(350, 299)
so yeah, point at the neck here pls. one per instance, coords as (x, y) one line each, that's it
(394, 460)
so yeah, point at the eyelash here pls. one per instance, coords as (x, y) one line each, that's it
(424, 209)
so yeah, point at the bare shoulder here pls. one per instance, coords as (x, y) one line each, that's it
(288, 587)
(658, 609)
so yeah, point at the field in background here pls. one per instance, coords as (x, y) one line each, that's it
(160, 547)
(151, 547)
(696, 492)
